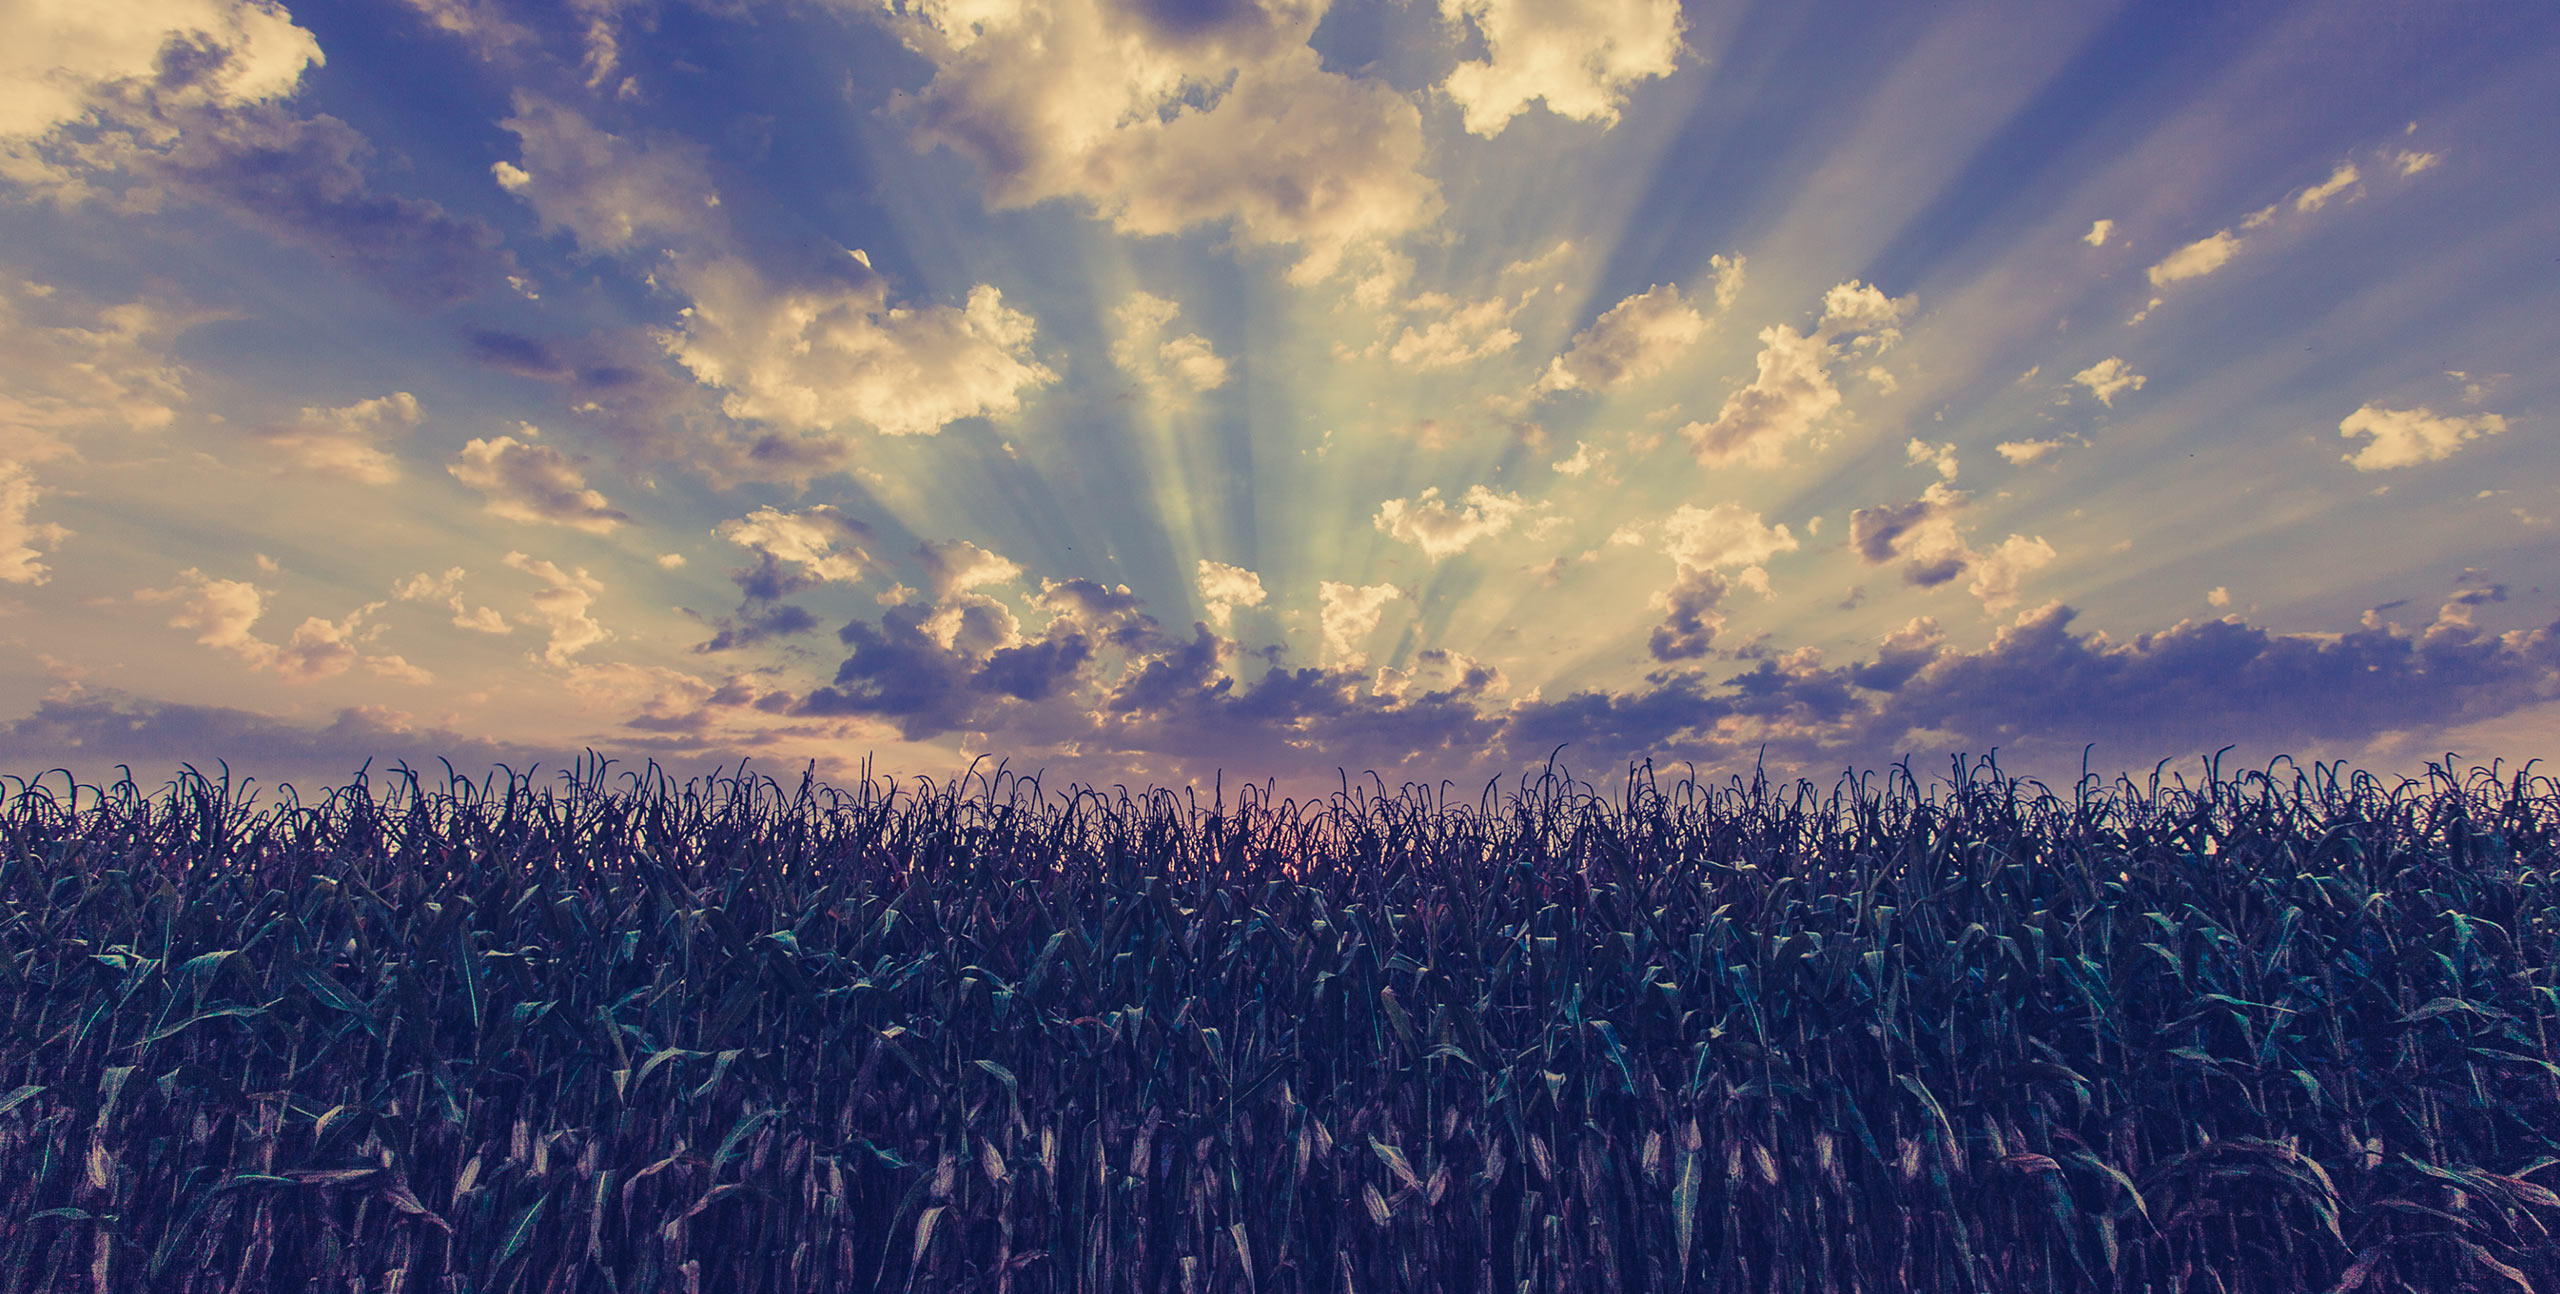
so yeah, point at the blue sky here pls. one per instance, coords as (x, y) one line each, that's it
(1148, 389)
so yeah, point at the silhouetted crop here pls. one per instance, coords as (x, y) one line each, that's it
(2260, 1033)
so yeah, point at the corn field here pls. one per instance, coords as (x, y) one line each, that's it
(2284, 1031)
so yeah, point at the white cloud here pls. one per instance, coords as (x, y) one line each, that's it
(1939, 458)
(1462, 335)
(1164, 118)
(2318, 195)
(21, 562)
(1171, 369)
(320, 648)
(1581, 461)
(1579, 58)
(1724, 536)
(1223, 588)
(957, 566)
(1350, 613)
(1441, 530)
(218, 612)
(806, 357)
(1996, 573)
(2196, 259)
(57, 58)
(1790, 397)
(1439, 669)
(69, 368)
(2097, 235)
(562, 605)
(2218, 595)
(822, 541)
(447, 588)
(2411, 163)
(2109, 378)
(973, 625)
(2408, 437)
(1635, 339)
(399, 670)
(2022, 452)
(343, 442)
(533, 484)
(1862, 315)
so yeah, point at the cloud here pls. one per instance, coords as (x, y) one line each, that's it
(561, 605)
(2318, 195)
(957, 566)
(2109, 378)
(342, 442)
(1170, 369)
(1350, 613)
(806, 357)
(1939, 458)
(447, 588)
(1440, 671)
(1224, 588)
(1723, 537)
(218, 612)
(1440, 530)
(1461, 335)
(58, 61)
(2097, 235)
(1690, 618)
(1219, 116)
(1635, 339)
(21, 562)
(2022, 452)
(1582, 460)
(1793, 395)
(821, 542)
(533, 484)
(1996, 573)
(2410, 163)
(2196, 259)
(2408, 437)
(69, 369)
(1578, 59)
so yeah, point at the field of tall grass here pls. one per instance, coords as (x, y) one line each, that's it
(2286, 1030)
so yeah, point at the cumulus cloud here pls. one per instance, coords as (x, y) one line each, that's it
(1578, 59)
(2196, 259)
(218, 612)
(1171, 369)
(1581, 461)
(426, 586)
(1439, 670)
(1690, 618)
(1940, 458)
(1163, 118)
(1723, 537)
(1441, 530)
(1635, 339)
(1996, 572)
(1350, 613)
(2097, 235)
(1793, 394)
(821, 542)
(533, 484)
(1224, 588)
(2408, 437)
(562, 605)
(2109, 378)
(57, 61)
(1460, 335)
(1925, 535)
(811, 356)
(345, 442)
(956, 566)
(21, 562)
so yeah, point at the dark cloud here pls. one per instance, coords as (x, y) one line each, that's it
(302, 181)
(1876, 532)
(91, 734)
(1692, 619)
(514, 353)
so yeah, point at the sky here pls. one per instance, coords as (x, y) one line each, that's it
(1169, 392)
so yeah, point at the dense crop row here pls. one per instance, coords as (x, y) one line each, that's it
(2257, 1034)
